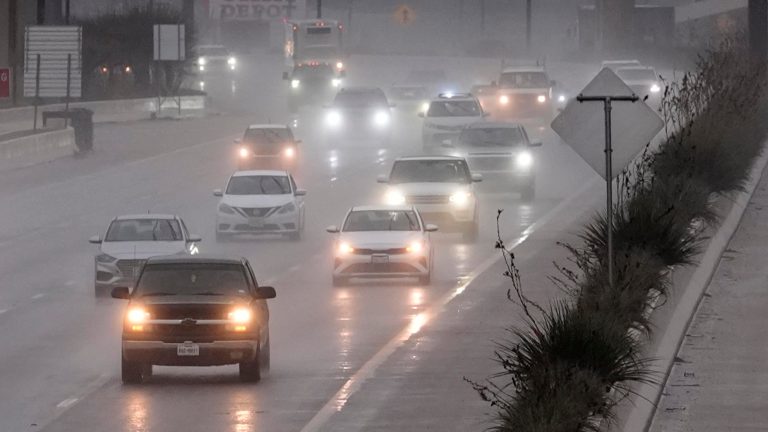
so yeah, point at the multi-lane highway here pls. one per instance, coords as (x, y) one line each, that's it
(60, 345)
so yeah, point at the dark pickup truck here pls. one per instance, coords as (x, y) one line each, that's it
(195, 311)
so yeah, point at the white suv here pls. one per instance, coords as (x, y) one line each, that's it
(440, 187)
(446, 116)
(260, 202)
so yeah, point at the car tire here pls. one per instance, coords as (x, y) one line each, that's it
(266, 357)
(131, 372)
(339, 281)
(250, 371)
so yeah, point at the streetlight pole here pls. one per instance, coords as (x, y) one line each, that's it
(607, 107)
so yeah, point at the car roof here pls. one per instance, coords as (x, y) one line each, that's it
(456, 96)
(631, 61)
(360, 89)
(523, 69)
(490, 124)
(196, 259)
(146, 216)
(638, 67)
(268, 126)
(382, 208)
(260, 172)
(429, 158)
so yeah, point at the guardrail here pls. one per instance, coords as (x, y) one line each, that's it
(36, 148)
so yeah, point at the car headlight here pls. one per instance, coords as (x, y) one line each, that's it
(541, 99)
(105, 259)
(288, 208)
(289, 152)
(655, 88)
(415, 247)
(295, 84)
(339, 65)
(561, 98)
(460, 198)
(381, 118)
(333, 119)
(244, 152)
(137, 315)
(240, 315)
(231, 61)
(202, 61)
(345, 249)
(226, 209)
(425, 107)
(504, 99)
(394, 197)
(336, 82)
(524, 160)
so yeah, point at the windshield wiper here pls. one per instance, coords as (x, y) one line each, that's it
(158, 294)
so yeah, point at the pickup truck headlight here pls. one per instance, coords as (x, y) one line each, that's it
(394, 197)
(105, 259)
(381, 118)
(232, 61)
(202, 61)
(524, 160)
(504, 99)
(655, 88)
(226, 209)
(240, 315)
(295, 84)
(137, 315)
(344, 249)
(460, 199)
(415, 247)
(541, 99)
(333, 119)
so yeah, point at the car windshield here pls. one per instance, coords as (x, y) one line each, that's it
(381, 220)
(360, 99)
(212, 51)
(267, 139)
(430, 171)
(259, 185)
(493, 136)
(144, 230)
(458, 108)
(636, 74)
(192, 279)
(524, 80)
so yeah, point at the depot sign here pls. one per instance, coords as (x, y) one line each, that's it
(257, 10)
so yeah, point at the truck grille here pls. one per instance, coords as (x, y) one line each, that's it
(256, 212)
(194, 311)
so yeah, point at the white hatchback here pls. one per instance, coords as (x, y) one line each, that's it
(382, 242)
(260, 202)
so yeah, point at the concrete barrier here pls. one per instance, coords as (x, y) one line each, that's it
(37, 148)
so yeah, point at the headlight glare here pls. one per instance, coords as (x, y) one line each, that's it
(394, 197)
(415, 247)
(339, 65)
(240, 316)
(541, 99)
(137, 315)
(345, 249)
(655, 88)
(231, 61)
(381, 118)
(504, 99)
(561, 98)
(244, 152)
(460, 198)
(524, 160)
(425, 107)
(336, 82)
(289, 152)
(333, 119)
(202, 61)
(295, 84)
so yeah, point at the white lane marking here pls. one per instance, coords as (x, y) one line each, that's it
(66, 403)
(353, 384)
(37, 296)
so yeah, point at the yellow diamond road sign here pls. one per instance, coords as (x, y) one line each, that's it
(404, 15)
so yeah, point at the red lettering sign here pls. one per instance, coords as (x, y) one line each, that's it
(5, 82)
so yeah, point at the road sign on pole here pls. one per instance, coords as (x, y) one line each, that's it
(169, 42)
(625, 130)
(50, 76)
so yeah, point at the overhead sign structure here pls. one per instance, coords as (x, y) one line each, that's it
(404, 15)
(5, 83)
(57, 51)
(257, 10)
(169, 42)
(582, 125)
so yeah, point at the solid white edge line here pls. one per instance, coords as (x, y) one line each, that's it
(67, 402)
(353, 384)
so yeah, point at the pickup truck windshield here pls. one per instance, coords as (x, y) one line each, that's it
(430, 171)
(192, 279)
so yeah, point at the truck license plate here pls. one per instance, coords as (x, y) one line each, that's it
(380, 259)
(187, 349)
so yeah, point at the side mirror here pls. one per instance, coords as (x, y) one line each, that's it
(534, 144)
(194, 238)
(382, 179)
(218, 193)
(430, 228)
(421, 114)
(95, 240)
(265, 292)
(122, 293)
(285, 76)
(300, 192)
(477, 178)
(333, 229)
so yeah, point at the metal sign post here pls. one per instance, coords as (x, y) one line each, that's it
(607, 100)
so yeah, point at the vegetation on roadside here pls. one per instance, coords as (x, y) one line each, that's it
(575, 359)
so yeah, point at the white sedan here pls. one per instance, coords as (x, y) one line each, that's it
(260, 202)
(382, 242)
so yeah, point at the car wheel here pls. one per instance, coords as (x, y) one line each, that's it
(339, 281)
(266, 356)
(250, 371)
(131, 372)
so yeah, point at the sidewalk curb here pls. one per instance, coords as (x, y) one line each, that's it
(641, 416)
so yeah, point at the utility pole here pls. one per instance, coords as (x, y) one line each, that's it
(757, 19)
(528, 14)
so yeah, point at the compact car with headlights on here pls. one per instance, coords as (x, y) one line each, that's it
(440, 187)
(643, 80)
(195, 311)
(131, 239)
(446, 116)
(267, 146)
(499, 150)
(361, 113)
(214, 58)
(382, 242)
(260, 202)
